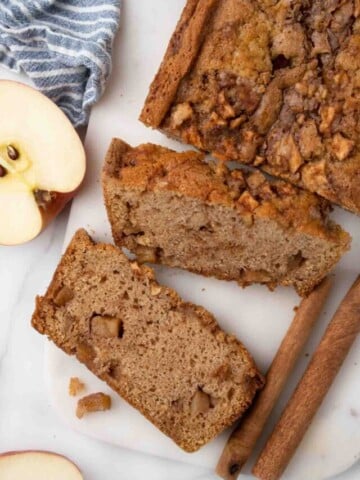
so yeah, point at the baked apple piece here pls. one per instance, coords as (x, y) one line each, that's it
(37, 465)
(42, 162)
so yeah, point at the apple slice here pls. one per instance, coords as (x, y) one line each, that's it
(42, 162)
(37, 465)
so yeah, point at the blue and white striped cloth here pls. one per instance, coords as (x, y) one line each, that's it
(64, 46)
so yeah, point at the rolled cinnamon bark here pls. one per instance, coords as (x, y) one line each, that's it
(243, 439)
(312, 388)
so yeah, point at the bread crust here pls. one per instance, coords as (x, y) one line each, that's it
(179, 56)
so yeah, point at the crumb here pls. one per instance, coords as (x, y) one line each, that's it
(76, 386)
(307, 354)
(203, 289)
(353, 412)
(95, 402)
(296, 308)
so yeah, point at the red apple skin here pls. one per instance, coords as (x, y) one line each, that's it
(45, 452)
(53, 208)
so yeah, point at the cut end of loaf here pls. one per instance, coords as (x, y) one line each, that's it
(167, 358)
(173, 208)
(178, 60)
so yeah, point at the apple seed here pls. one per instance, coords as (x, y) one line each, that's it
(12, 152)
(2, 171)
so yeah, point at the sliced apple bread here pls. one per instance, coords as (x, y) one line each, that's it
(173, 208)
(167, 358)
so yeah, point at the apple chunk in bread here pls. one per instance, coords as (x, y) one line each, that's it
(37, 465)
(42, 162)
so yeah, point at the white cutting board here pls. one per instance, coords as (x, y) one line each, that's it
(258, 317)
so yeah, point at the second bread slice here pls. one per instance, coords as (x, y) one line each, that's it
(173, 208)
(167, 358)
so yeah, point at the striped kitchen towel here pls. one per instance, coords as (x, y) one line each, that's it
(64, 46)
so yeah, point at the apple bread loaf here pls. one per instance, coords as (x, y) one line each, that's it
(173, 208)
(167, 358)
(274, 84)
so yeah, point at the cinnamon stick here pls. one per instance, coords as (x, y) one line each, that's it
(312, 388)
(243, 439)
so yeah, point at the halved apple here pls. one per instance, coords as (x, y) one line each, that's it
(42, 162)
(37, 465)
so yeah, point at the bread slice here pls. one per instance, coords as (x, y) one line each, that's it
(173, 208)
(270, 84)
(167, 358)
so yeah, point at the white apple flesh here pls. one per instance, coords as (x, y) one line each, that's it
(37, 465)
(42, 162)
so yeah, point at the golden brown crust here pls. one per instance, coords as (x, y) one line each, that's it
(156, 168)
(273, 85)
(181, 52)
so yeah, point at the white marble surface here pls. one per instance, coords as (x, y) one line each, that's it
(26, 419)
